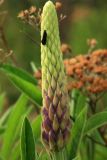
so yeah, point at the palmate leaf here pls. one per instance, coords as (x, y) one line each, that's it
(27, 142)
(23, 81)
(76, 134)
(96, 121)
(17, 112)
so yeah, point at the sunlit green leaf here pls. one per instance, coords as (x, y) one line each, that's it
(36, 126)
(96, 121)
(2, 100)
(4, 117)
(25, 82)
(27, 142)
(76, 134)
(78, 102)
(15, 154)
(12, 123)
(2, 129)
(81, 103)
(16, 71)
(32, 91)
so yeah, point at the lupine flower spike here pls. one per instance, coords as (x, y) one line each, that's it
(55, 111)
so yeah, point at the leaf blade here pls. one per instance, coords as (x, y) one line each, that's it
(36, 126)
(16, 113)
(24, 82)
(76, 134)
(2, 99)
(96, 121)
(27, 142)
(33, 92)
(10, 69)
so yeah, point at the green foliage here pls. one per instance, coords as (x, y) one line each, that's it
(5, 116)
(21, 138)
(36, 126)
(27, 142)
(10, 69)
(2, 97)
(12, 123)
(23, 81)
(2, 129)
(77, 133)
(96, 121)
(78, 101)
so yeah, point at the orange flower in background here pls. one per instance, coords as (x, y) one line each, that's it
(88, 71)
(58, 5)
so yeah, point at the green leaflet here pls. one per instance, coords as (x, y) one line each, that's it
(27, 142)
(25, 82)
(10, 69)
(2, 129)
(78, 101)
(100, 153)
(36, 126)
(33, 92)
(81, 103)
(96, 121)
(15, 151)
(76, 158)
(8, 138)
(2, 98)
(5, 116)
(76, 134)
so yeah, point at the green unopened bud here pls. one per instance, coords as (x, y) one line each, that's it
(53, 83)
(50, 92)
(51, 140)
(60, 141)
(55, 123)
(55, 100)
(59, 110)
(51, 112)
(63, 124)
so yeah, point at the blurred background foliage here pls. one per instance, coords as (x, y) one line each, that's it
(85, 19)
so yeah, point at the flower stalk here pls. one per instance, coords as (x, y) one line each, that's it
(56, 122)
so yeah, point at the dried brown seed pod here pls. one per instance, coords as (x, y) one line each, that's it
(65, 48)
(58, 5)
